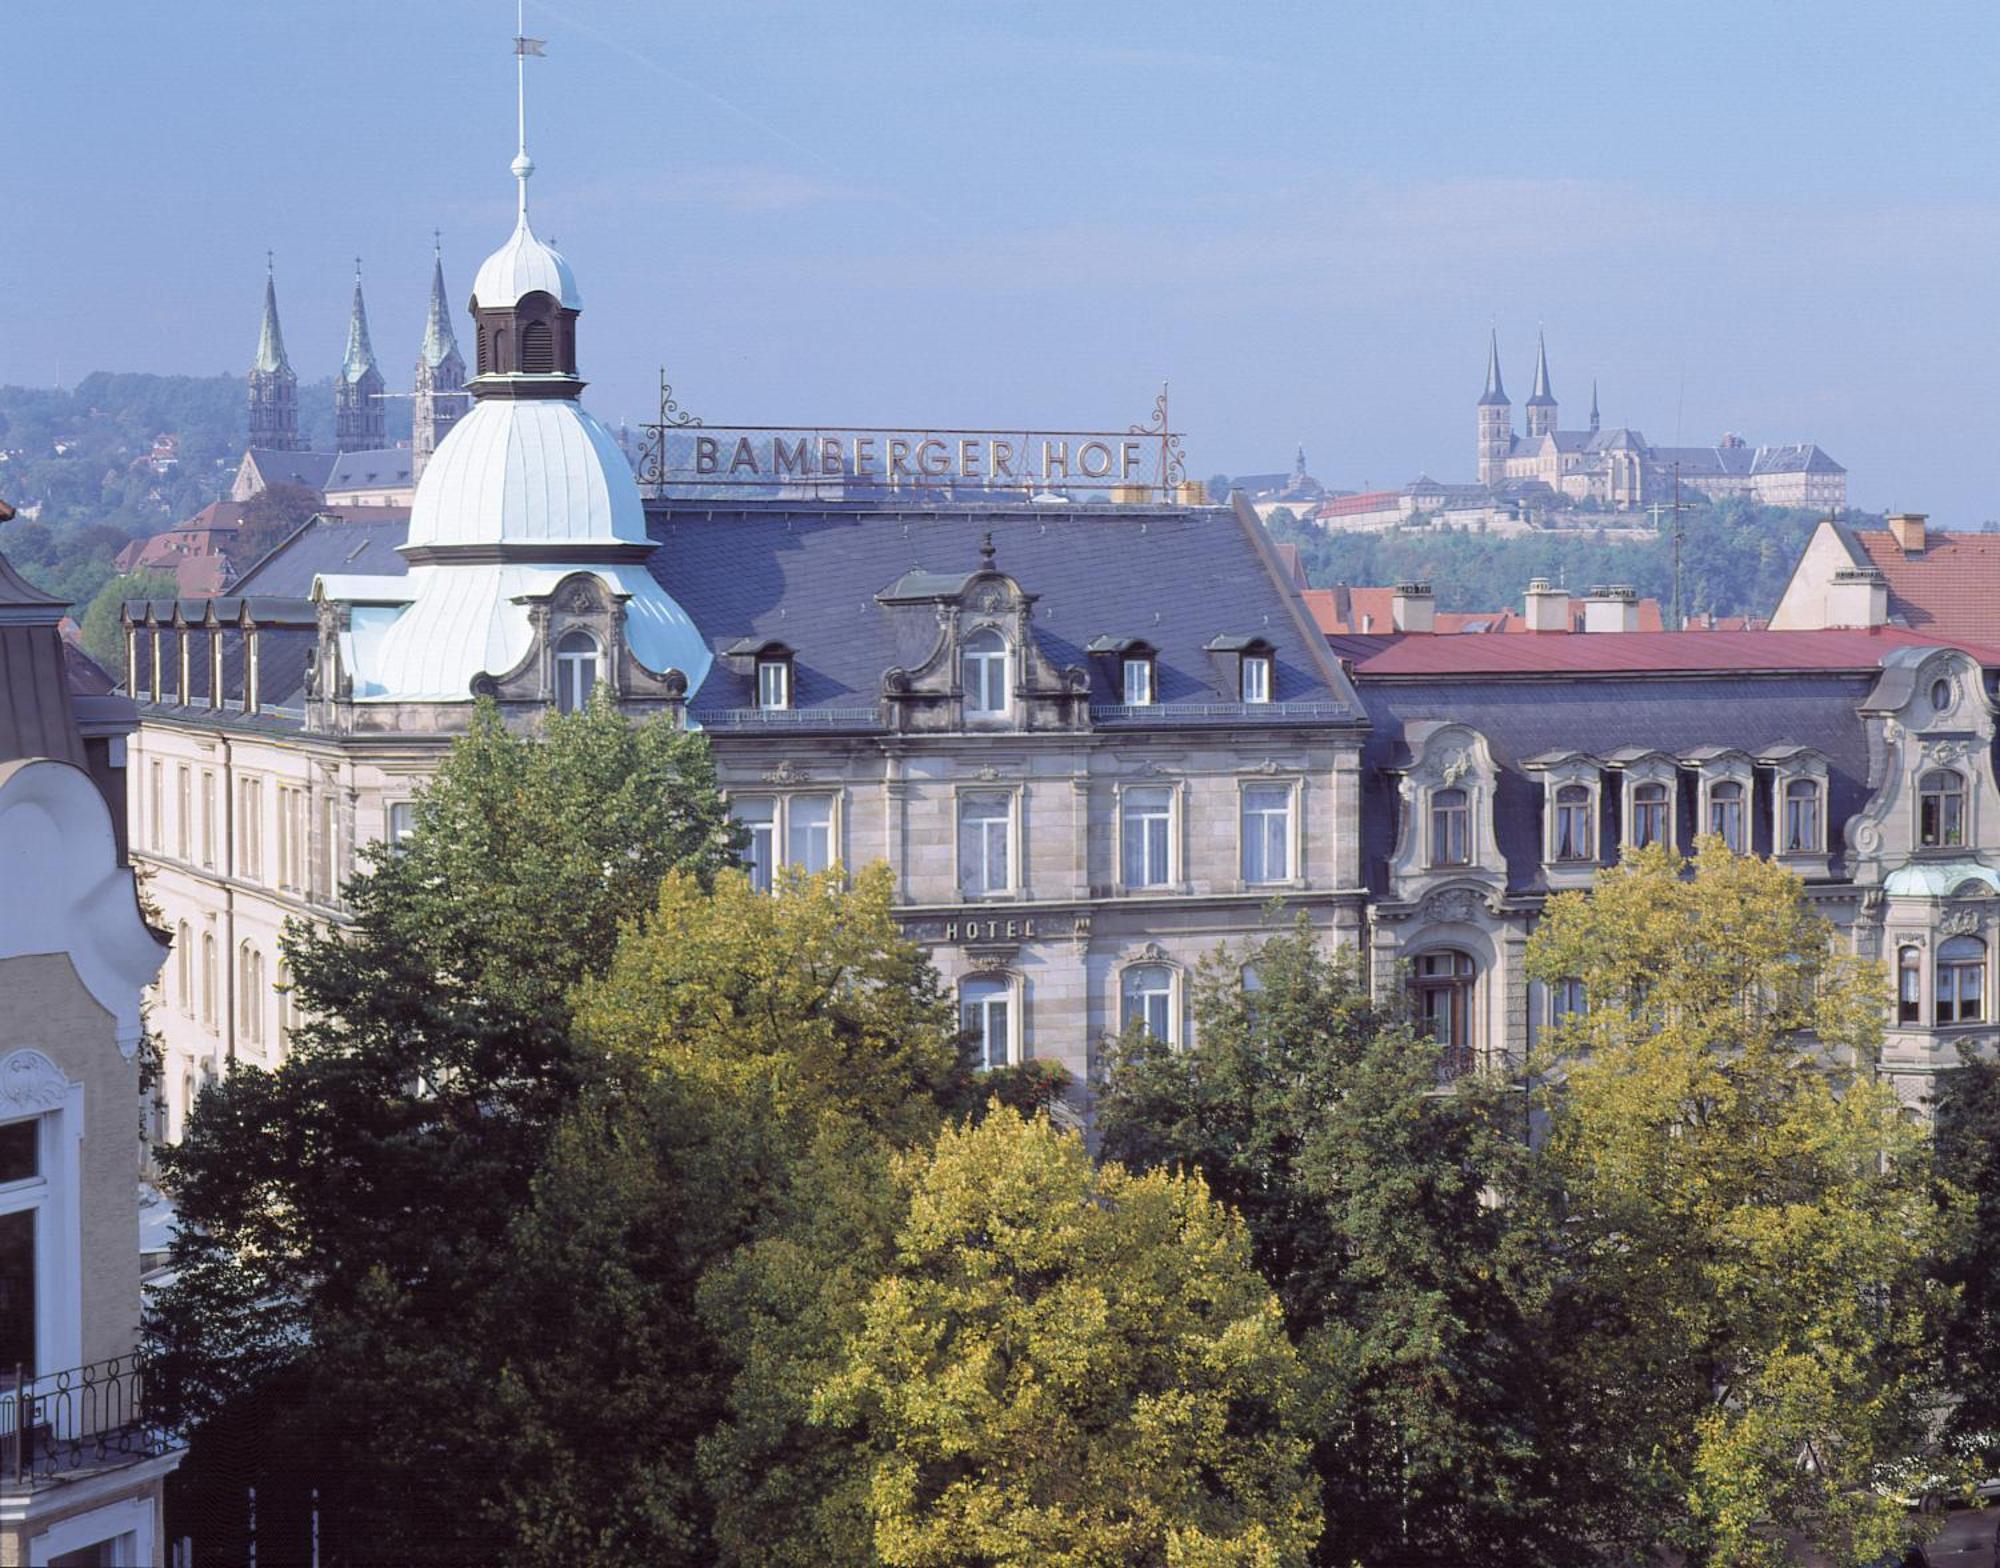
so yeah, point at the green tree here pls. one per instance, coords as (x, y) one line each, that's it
(1414, 1296)
(103, 633)
(1747, 1208)
(270, 517)
(343, 1215)
(1072, 1367)
(1968, 1154)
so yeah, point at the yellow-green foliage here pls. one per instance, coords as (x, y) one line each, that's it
(1073, 1367)
(1746, 1199)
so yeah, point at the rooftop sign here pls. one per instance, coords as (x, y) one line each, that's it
(684, 452)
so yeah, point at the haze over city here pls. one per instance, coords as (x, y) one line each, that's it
(1736, 219)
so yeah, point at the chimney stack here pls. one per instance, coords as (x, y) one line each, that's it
(1908, 529)
(1412, 608)
(1547, 608)
(1612, 609)
(1859, 596)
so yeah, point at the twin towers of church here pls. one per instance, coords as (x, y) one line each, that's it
(360, 422)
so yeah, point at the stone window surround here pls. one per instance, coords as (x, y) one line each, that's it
(1295, 838)
(1176, 879)
(1010, 670)
(1787, 770)
(1152, 957)
(1017, 868)
(781, 805)
(1587, 772)
(1652, 767)
(125, 1525)
(1725, 767)
(1017, 1021)
(32, 1085)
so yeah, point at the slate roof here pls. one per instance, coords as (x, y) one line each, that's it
(812, 576)
(1611, 653)
(378, 468)
(1522, 720)
(36, 719)
(351, 542)
(292, 468)
(1344, 611)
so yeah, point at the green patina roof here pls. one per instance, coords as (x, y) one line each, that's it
(1938, 878)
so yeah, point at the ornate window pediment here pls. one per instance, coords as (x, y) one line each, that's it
(1446, 805)
(1572, 813)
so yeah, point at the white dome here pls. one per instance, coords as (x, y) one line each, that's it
(523, 266)
(527, 471)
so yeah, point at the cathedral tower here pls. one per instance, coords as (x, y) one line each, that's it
(1541, 402)
(274, 390)
(359, 422)
(440, 382)
(1496, 421)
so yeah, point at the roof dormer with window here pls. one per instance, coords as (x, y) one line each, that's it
(1573, 835)
(1445, 812)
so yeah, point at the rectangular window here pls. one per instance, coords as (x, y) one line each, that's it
(1139, 683)
(184, 812)
(291, 837)
(774, 683)
(1145, 829)
(20, 1153)
(17, 1289)
(329, 845)
(1256, 677)
(1725, 814)
(402, 820)
(809, 833)
(1573, 823)
(207, 818)
(984, 1015)
(759, 817)
(1801, 817)
(985, 827)
(1267, 833)
(250, 830)
(156, 835)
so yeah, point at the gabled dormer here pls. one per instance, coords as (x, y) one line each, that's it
(1446, 793)
(1247, 668)
(1131, 669)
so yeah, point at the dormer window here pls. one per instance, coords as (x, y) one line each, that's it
(983, 661)
(1941, 809)
(1573, 838)
(1256, 677)
(1138, 684)
(774, 682)
(1802, 831)
(1451, 828)
(576, 671)
(1725, 814)
(1651, 803)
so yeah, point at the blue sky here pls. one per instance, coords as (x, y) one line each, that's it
(1771, 217)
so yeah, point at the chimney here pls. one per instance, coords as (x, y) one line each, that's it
(1859, 596)
(1413, 608)
(1547, 608)
(1612, 609)
(1908, 529)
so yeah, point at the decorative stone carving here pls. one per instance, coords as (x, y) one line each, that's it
(1868, 838)
(989, 961)
(30, 1082)
(1456, 765)
(1942, 753)
(578, 599)
(989, 773)
(1453, 905)
(1959, 922)
(1152, 952)
(787, 772)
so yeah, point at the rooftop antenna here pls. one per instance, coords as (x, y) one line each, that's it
(523, 165)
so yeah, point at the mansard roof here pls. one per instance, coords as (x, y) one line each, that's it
(377, 467)
(291, 468)
(816, 576)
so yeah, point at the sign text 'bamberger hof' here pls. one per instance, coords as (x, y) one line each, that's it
(962, 457)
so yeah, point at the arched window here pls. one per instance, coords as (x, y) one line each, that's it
(250, 995)
(1961, 980)
(1147, 999)
(1574, 839)
(576, 670)
(985, 1013)
(500, 365)
(1802, 817)
(1650, 803)
(1442, 982)
(1909, 986)
(1941, 809)
(208, 979)
(184, 969)
(1725, 813)
(1451, 822)
(538, 349)
(984, 673)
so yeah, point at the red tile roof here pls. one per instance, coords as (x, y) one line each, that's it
(1354, 505)
(1369, 610)
(1951, 589)
(1610, 653)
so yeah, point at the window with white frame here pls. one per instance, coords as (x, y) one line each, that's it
(184, 812)
(24, 1202)
(791, 831)
(1146, 998)
(1909, 985)
(986, 1014)
(577, 670)
(1573, 836)
(184, 969)
(1256, 677)
(402, 820)
(329, 844)
(983, 667)
(250, 830)
(1802, 831)
(1652, 814)
(208, 979)
(1267, 833)
(985, 842)
(291, 837)
(1727, 813)
(288, 1007)
(156, 832)
(1145, 835)
(1961, 980)
(1138, 673)
(774, 683)
(249, 995)
(1941, 809)
(1442, 985)
(208, 817)
(1451, 827)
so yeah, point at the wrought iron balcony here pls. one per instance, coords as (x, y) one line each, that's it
(65, 1425)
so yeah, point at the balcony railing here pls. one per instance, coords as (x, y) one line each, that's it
(59, 1426)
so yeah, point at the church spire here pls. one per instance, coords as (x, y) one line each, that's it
(440, 400)
(274, 389)
(1496, 393)
(360, 352)
(1541, 402)
(359, 421)
(439, 339)
(1593, 402)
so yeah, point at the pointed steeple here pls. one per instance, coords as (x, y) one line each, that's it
(360, 352)
(270, 336)
(1541, 394)
(1496, 393)
(1593, 402)
(440, 341)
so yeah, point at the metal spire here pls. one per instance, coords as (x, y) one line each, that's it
(439, 339)
(1593, 402)
(270, 339)
(524, 46)
(1495, 391)
(360, 352)
(1541, 394)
